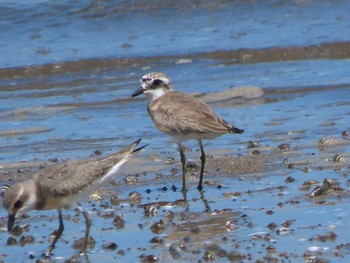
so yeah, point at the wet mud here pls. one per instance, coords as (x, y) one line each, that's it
(279, 192)
(233, 219)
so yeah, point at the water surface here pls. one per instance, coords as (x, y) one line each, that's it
(66, 75)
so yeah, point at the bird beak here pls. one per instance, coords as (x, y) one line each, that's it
(137, 92)
(10, 222)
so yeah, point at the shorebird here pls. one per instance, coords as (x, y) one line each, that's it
(62, 185)
(181, 116)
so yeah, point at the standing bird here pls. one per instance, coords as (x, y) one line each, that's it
(61, 185)
(181, 116)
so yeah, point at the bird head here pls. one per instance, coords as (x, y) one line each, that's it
(17, 200)
(153, 85)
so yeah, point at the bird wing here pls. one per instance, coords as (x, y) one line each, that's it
(72, 177)
(69, 178)
(182, 113)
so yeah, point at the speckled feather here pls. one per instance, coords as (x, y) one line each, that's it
(71, 178)
(190, 116)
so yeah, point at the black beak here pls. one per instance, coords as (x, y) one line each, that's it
(137, 92)
(10, 222)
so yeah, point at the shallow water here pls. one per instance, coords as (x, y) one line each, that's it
(66, 75)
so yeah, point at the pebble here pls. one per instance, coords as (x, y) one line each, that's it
(11, 241)
(119, 222)
(284, 147)
(17, 230)
(253, 144)
(148, 258)
(110, 246)
(159, 227)
(157, 240)
(24, 240)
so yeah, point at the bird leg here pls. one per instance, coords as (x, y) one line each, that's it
(183, 161)
(87, 229)
(203, 159)
(58, 233)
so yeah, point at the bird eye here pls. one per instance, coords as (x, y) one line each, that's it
(18, 204)
(157, 82)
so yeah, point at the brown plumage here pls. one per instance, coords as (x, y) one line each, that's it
(190, 117)
(181, 116)
(63, 184)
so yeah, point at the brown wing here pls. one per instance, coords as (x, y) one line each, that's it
(181, 113)
(69, 178)
(73, 177)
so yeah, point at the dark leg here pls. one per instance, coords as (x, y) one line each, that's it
(58, 233)
(203, 159)
(87, 229)
(183, 161)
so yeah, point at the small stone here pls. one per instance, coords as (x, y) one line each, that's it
(284, 147)
(176, 249)
(157, 240)
(272, 226)
(11, 241)
(256, 152)
(170, 160)
(159, 227)
(79, 244)
(115, 200)
(287, 223)
(150, 210)
(253, 144)
(126, 45)
(289, 179)
(110, 246)
(119, 222)
(135, 198)
(195, 230)
(235, 256)
(16, 230)
(130, 179)
(148, 258)
(98, 152)
(191, 166)
(24, 240)
(170, 215)
(209, 256)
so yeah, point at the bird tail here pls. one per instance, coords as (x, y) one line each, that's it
(130, 150)
(135, 143)
(115, 161)
(236, 130)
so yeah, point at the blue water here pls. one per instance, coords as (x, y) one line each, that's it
(37, 32)
(68, 69)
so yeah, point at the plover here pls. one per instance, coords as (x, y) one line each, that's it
(181, 116)
(62, 185)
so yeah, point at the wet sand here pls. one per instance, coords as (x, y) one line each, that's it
(253, 205)
(277, 193)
